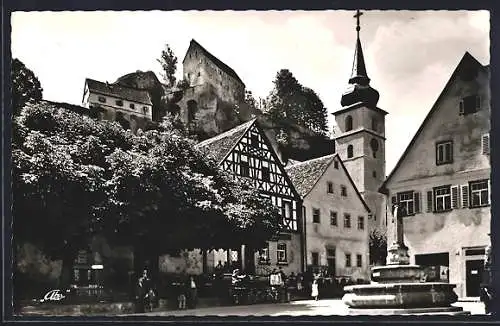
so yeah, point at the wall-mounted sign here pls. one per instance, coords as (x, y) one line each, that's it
(53, 295)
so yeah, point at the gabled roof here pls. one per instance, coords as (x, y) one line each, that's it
(221, 145)
(126, 93)
(466, 60)
(222, 66)
(305, 175)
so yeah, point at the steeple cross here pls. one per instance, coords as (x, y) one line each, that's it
(357, 15)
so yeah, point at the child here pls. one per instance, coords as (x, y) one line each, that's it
(182, 300)
(314, 290)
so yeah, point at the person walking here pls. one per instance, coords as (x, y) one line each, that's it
(141, 291)
(315, 290)
(193, 292)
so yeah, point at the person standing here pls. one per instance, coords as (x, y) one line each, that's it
(486, 290)
(142, 288)
(193, 292)
(315, 290)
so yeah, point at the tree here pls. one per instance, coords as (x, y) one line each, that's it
(296, 103)
(25, 86)
(74, 177)
(378, 247)
(168, 62)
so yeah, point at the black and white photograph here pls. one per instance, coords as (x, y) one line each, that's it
(174, 163)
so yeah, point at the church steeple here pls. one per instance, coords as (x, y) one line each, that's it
(359, 89)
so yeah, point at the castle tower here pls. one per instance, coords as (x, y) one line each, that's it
(361, 141)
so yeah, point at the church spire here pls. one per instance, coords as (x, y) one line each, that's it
(360, 91)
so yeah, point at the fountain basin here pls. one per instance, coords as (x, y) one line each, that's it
(396, 273)
(400, 295)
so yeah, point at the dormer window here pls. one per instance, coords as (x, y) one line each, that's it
(119, 102)
(132, 106)
(469, 104)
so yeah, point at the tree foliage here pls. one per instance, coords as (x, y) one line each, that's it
(168, 62)
(378, 247)
(296, 103)
(25, 85)
(74, 176)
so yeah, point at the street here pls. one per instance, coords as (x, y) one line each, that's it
(325, 307)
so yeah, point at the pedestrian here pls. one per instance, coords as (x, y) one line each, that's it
(193, 292)
(315, 290)
(141, 291)
(181, 298)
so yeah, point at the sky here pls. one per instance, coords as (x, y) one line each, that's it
(409, 55)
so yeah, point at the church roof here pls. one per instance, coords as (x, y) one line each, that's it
(221, 145)
(305, 175)
(221, 65)
(466, 61)
(119, 91)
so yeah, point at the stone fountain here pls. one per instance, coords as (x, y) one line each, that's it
(400, 288)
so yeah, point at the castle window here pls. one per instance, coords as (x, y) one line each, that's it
(132, 106)
(469, 104)
(348, 123)
(119, 102)
(101, 99)
(350, 150)
(444, 152)
(330, 187)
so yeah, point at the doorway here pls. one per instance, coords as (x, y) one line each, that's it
(249, 260)
(473, 273)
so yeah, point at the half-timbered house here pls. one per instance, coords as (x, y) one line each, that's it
(248, 154)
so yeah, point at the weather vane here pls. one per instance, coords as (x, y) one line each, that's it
(357, 15)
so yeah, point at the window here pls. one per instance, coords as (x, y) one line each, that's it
(119, 102)
(244, 169)
(289, 219)
(442, 198)
(101, 99)
(330, 187)
(330, 260)
(281, 252)
(350, 150)
(348, 123)
(347, 260)
(469, 104)
(316, 215)
(361, 223)
(315, 258)
(374, 174)
(264, 255)
(145, 109)
(336, 164)
(132, 106)
(479, 193)
(359, 260)
(374, 124)
(347, 221)
(265, 173)
(343, 191)
(333, 218)
(254, 141)
(406, 201)
(444, 152)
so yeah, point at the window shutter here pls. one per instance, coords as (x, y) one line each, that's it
(489, 191)
(454, 197)
(465, 196)
(416, 198)
(461, 108)
(429, 201)
(485, 144)
(478, 102)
